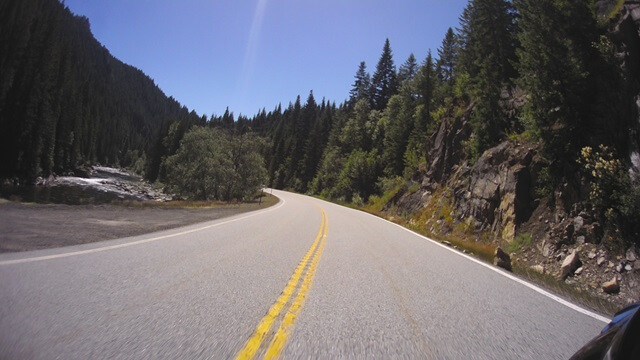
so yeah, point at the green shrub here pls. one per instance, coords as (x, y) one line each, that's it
(545, 183)
(389, 187)
(615, 193)
(521, 242)
(213, 165)
(606, 174)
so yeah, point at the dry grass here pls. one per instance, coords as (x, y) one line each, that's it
(438, 213)
(552, 284)
(463, 237)
(267, 201)
(481, 249)
(377, 203)
(616, 10)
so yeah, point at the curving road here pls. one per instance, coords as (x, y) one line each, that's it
(302, 279)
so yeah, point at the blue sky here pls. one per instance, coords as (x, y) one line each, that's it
(250, 54)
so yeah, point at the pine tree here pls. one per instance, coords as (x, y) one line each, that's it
(361, 86)
(313, 130)
(355, 134)
(425, 82)
(488, 39)
(399, 122)
(228, 119)
(407, 70)
(384, 82)
(556, 38)
(487, 53)
(448, 57)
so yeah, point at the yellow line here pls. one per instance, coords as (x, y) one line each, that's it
(253, 344)
(280, 338)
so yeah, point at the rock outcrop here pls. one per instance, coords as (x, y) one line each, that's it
(497, 191)
(494, 199)
(446, 146)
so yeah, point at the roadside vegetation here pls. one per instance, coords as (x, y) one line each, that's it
(211, 164)
(478, 244)
(260, 200)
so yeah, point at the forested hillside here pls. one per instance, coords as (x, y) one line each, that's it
(541, 70)
(65, 101)
(527, 107)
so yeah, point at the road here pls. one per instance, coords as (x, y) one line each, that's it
(303, 279)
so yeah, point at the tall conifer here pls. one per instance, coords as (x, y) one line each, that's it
(384, 83)
(362, 85)
(556, 46)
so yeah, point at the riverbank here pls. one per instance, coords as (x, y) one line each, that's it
(91, 185)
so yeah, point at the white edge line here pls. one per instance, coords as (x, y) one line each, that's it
(112, 247)
(503, 273)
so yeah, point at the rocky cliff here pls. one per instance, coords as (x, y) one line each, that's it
(497, 198)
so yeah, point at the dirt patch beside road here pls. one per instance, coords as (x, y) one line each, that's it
(26, 227)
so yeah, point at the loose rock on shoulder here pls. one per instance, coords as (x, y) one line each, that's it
(611, 287)
(570, 264)
(502, 259)
(631, 254)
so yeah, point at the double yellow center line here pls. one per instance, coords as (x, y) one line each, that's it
(298, 284)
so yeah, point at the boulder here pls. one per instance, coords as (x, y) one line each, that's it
(567, 234)
(628, 267)
(592, 233)
(502, 259)
(570, 264)
(611, 287)
(631, 254)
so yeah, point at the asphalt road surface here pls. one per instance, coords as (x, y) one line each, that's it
(302, 279)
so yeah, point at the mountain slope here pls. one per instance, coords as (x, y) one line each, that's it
(66, 101)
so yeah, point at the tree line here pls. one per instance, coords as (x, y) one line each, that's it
(557, 57)
(65, 102)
